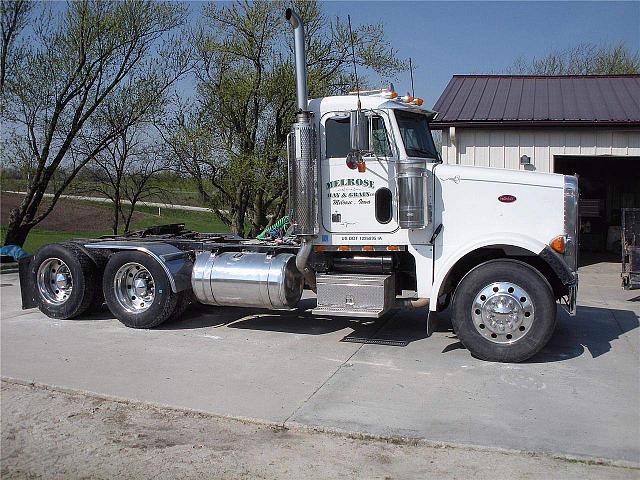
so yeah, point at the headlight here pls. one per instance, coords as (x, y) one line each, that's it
(571, 221)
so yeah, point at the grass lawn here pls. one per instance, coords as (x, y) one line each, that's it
(39, 237)
(197, 221)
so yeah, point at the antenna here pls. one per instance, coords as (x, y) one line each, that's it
(413, 94)
(353, 56)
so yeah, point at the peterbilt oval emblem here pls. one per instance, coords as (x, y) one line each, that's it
(507, 198)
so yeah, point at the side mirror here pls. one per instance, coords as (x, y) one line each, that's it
(359, 131)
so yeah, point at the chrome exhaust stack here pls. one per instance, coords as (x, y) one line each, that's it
(301, 142)
(301, 58)
(303, 165)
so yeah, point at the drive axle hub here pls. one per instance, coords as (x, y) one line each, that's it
(134, 287)
(54, 281)
(502, 312)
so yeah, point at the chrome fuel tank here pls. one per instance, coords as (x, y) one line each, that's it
(247, 279)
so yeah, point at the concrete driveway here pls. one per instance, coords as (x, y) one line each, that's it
(577, 397)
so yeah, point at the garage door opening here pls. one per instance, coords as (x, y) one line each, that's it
(607, 185)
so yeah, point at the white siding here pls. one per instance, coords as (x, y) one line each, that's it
(503, 148)
(466, 144)
(511, 149)
(481, 151)
(604, 142)
(446, 148)
(496, 148)
(541, 151)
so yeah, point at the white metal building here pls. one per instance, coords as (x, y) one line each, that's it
(503, 148)
(589, 125)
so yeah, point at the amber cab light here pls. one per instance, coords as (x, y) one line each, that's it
(558, 244)
(418, 101)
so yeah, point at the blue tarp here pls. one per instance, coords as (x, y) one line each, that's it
(13, 251)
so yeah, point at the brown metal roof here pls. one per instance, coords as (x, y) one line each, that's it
(539, 100)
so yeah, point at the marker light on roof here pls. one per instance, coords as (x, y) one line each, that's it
(418, 101)
(407, 98)
(382, 92)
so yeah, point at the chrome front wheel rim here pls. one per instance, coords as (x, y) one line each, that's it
(134, 287)
(503, 312)
(54, 280)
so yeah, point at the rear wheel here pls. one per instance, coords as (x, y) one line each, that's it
(66, 280)
(137, 290)
(504, 311)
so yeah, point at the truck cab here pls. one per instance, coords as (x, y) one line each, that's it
(390, 224)
(401, 196)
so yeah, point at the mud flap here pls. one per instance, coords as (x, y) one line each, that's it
(432, 322)
(27, 289)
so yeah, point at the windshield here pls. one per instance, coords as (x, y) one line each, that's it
(416, 135)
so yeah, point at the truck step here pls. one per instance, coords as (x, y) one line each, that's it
(376, 341)
(355, 295)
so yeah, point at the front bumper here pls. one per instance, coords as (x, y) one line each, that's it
(566, 276)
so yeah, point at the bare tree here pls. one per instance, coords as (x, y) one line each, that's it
(72, 72)
(193, 152)
(139, 186)
(582, 59)
(15, 15)
(122, 173)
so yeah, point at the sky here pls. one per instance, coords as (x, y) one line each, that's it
(447, 38)
(454, 37)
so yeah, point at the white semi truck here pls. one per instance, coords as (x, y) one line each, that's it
(377, 223)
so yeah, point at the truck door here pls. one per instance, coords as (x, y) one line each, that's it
(353, 201)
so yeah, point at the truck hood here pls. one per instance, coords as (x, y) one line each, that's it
(499, 175)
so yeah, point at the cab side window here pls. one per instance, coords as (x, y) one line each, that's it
(337, 137)
(338, 142)
(379, 138)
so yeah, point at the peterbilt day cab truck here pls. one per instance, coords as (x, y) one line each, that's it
(377, 223)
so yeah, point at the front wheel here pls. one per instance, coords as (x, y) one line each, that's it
(137, 290)
(504, 311)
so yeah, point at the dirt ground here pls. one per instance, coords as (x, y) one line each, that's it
(67, 216)
(53, 434)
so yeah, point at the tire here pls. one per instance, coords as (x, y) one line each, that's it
(81, 285)
(99, 262)
(504, 311)
(185, 299)
(145, 304)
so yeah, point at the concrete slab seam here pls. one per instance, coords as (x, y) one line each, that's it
(296, 410)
